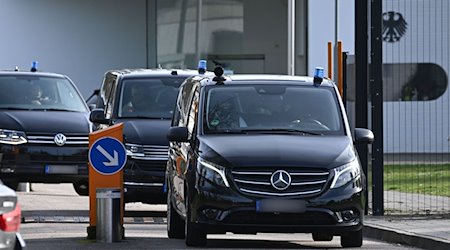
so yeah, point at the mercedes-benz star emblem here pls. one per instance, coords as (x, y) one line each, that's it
(280, 180)
(60, 139)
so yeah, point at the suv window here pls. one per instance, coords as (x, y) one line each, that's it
(150, 98)
(39, 92)
(272, 106)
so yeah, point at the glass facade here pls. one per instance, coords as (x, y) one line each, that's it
(231, 33)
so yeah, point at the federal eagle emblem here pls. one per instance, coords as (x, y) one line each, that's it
(394, 26)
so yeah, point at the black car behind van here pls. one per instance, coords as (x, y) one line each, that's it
(143, 100)
(44, 130)
(264, 153)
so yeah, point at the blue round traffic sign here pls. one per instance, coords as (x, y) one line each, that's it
(107, 155)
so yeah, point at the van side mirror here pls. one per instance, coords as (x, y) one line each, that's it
(91, 106)
(98, 116)
(363, 136)
(177, 134)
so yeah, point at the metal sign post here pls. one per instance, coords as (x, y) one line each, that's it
(107, 157)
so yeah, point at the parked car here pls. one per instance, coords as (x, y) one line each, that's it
(263, 153)
(10, 218)
(44, 130)
(143, 100)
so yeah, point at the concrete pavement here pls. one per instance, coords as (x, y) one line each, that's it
(428, 232)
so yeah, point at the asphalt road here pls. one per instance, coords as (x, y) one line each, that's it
(56, 218)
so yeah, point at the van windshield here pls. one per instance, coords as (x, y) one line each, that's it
(272, 108)
(39, 93)
(149, 98)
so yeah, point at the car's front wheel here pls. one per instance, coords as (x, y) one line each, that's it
(353, 239)
(195, 234)
(82, 188)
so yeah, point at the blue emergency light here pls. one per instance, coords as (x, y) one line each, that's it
(34, 66)
(318, 75)
(202, 67)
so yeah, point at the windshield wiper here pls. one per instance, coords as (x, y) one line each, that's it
(13, 108)
(225, 131)
(280, 130)
(142, 117)
(53, 109)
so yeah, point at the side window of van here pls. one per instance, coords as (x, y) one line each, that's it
(193, 110)
(105, 90)
(109, 105)
(177, 111)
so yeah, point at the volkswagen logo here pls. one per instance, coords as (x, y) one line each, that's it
(60, 139)
(280, 180)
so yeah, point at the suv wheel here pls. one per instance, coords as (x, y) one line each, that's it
(353, 239)
(195, 235)
(82, 188)
(322, 237)
(175, 224)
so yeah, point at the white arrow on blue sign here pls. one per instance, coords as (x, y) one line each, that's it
(107, 155)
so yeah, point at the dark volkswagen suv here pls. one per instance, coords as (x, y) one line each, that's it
(263, 153)
(143, 99)
(44, 130)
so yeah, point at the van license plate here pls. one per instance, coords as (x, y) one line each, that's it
(61, 169)
(281, 206)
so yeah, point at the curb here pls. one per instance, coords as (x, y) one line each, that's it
(404, 238)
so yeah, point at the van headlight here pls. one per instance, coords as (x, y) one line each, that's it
(12, 137)
(212, 172)
(134, 150)
(345, 174)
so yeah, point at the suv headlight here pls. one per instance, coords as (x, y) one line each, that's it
(212, 172)
(345, 174)
(12, 137)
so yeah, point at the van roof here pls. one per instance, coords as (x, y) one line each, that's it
(269, 78)
(157, 72)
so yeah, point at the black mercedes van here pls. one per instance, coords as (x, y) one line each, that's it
(264, 153)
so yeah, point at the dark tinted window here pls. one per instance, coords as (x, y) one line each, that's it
(277, 107)
(151, 98)
(39, 92)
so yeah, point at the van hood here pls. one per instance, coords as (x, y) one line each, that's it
(46, 121)
(146, 131)
(277, 150)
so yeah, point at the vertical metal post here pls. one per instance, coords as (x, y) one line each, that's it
(344, 78)
(336, 21)
(336, 35)
(361, 77)
(181, 27)
(376, 82)
(330, 60)
(198, 30)
(291, 38)
(151, 36)
(109, 228)
(339, 62)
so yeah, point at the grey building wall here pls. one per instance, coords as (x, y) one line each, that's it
(81, 38)
(85, 38)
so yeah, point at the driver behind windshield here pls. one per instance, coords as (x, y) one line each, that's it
(223, 112)
(138, 101)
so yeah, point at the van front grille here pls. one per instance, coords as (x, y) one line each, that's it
(71, 139)
(304, 182)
